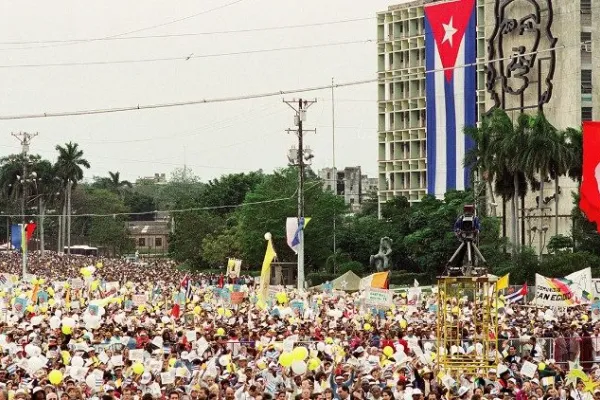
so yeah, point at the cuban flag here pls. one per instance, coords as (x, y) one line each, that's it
(450, 90)
(516, 296)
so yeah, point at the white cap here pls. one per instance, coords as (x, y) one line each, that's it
(462, 391)
(416, 392)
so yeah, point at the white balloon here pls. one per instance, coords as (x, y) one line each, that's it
(34, 364)
(54, 322)
(90, 380)
(36, 320)
(321, 346)
(58, 313)
(66, 321)
(101, 311)
(299, 367)
(77, 361)
(224, 360)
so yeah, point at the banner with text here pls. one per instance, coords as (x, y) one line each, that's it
(569, 291)
(378, 298)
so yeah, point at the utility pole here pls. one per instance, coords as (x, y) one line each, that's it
(25, 139)
(301, 157)
(334, 172)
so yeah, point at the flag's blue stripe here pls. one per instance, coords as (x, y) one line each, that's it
(470, 85)
(430, 108)
(450, 135)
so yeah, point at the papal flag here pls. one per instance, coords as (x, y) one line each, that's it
(265, 274)
(502, 282)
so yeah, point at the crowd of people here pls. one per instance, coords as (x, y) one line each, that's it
(79, 328)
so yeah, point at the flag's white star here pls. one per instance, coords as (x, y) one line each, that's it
(344, 284)
(450, 31)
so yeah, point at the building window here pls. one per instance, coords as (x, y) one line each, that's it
(586, 37)
(586, 6)
(158, 242)
(586, 114)
(586, 81)
(141, 242)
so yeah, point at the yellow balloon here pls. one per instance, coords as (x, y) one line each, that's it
(220, 332)
(50, 292)
(403, 324)
(197, 310)
(138, 368)
(388, 351)
(30, 308)
(67, 330)
(228, 313)
(584, 317)
(55, 377)
(300, 354)
(172, 362)
(221, 311)
(94, 285)
(313, 364)
(99, 265)
(367, 327)
(541, 366)
(141, 308)
(66, 357)
(51, 302)
(286, 359)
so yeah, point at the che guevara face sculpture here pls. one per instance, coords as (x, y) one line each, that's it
(521, 36)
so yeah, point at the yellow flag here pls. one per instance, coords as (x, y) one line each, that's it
(265, 274)
(502, 283)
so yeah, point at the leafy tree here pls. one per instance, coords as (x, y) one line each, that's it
(141, 204)
(229, 190)
(268, 207)
(191, 227)
(216, 248)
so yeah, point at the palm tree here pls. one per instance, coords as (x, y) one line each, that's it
(113, 183)
(69, 168)
(539, 154)
(574, 141)
(481, 158)
(506, 146)
(559, 166)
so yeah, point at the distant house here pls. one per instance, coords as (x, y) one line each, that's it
(150, 236)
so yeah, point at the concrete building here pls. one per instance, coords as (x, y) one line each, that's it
(402, 144)
(150, 236)
(349, 183)
(574, 92)
(157, 179)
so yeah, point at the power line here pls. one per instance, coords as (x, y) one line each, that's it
(268, 94)
(73, 42)
(184, 58)
(178, 35)
(182, 103)
(181, 210)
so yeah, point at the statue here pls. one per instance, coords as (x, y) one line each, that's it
(381, 260)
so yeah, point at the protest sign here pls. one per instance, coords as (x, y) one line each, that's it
(379, 298)
(139, 299)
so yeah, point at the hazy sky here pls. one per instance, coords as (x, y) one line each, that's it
(217, 138)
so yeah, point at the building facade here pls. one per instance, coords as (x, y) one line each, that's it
(565, 86)
(402, 134)
(150, 237)
(349, 183)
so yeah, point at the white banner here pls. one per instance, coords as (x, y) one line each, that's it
(379, 298)
(563, 292)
